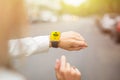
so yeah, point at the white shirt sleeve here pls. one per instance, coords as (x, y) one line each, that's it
(28, 46)
(6, 74)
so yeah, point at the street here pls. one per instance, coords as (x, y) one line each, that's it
(100, 61)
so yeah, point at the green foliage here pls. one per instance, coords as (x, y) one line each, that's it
(92, 7)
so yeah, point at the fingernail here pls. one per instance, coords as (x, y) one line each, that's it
(86, 45)
(63, 56)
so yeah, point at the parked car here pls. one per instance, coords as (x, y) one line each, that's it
(110, 24)
(115, 32)
(105, 23)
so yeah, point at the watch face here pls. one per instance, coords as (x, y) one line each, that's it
(55, 36)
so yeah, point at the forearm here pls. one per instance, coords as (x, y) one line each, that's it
(29, 46)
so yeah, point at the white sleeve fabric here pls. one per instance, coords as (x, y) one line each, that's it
(6, 74)
(28, 46)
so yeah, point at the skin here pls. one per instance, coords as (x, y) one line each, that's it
(64, 71)
(72, 41)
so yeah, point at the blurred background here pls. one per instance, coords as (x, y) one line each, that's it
(98, 21)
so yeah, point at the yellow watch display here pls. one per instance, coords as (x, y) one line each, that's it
(55, 38)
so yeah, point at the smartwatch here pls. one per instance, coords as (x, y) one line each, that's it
(55, 38)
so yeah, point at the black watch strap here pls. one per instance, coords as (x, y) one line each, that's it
(54, 44)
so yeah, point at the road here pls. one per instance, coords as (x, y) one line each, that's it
(100, 61)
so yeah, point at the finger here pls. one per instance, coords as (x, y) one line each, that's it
(78, 38)
(57, 65)
(79, 43)
(82, 44)
(76, 49)
(63, 63)
(73, 71)
(78, 74)
(77, 71)
(68, 67)
(82, 38)
(74, 67)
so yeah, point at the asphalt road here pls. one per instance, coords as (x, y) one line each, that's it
(100, 61)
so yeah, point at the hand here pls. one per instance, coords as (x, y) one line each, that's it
(65, 72)
(72, 41)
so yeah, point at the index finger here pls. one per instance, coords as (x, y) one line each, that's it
(63, 62)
